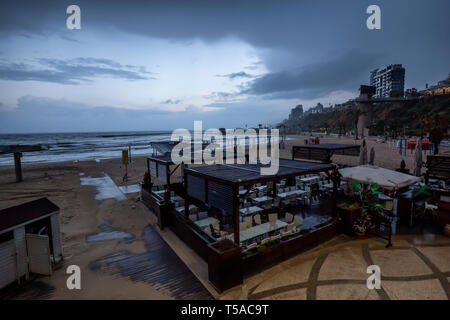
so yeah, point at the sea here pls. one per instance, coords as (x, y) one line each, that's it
(81, 146)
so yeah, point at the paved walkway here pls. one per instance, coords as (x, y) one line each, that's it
(416, 267)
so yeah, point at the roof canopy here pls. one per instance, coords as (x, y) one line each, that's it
(251, 173)
(385, 178)
(324, 152)
(16, 215)
(329, 146)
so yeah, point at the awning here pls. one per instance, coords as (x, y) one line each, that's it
(385, 178)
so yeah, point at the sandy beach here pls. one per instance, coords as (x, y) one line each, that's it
(82, 214)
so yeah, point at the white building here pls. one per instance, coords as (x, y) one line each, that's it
(389, 81)
(30, 240)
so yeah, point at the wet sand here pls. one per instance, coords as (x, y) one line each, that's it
(81, 216)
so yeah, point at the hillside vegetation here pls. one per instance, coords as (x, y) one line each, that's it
(392, 118)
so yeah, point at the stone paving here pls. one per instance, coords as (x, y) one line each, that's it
(416, 267)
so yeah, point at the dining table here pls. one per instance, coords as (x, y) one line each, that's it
(260, 230)
(293, 193)
(310, 179)
(262, 200)
(206, 222)
(250, 210)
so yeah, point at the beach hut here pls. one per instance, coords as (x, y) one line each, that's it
(30, 240)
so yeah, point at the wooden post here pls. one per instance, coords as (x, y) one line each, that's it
(18, 166)
(236, 215)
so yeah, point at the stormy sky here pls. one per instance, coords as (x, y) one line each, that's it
(155, 65)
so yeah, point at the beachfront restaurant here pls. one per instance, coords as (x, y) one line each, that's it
(164, 185)
(240, 221)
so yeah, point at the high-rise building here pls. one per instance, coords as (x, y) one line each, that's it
(389, 81)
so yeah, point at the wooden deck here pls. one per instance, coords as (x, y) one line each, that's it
(159, 267)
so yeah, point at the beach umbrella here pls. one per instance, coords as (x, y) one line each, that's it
(418, 158)
(363, 154)
(372, 156)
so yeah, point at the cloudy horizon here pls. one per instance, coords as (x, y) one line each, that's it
(160, 65)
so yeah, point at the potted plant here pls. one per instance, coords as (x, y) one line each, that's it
(370, 209)
(360, 228)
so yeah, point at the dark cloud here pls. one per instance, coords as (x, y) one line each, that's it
(295, 32)
(345, 72)
(232, 76)
(71, 71)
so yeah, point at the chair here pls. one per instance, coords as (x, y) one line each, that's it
(273, 217)
(216, 226)
(298, 221)
(265, 240)
(248, 220)
(286, 233)
(275, 237)
(286, 201)
(207, 229)
(276, 202)
(257, 219)
(242, 226)
(288, 217)
(202, 215)
(290, 227)
(193, 217)
(193, 209)
(252, 246)
(389, 205)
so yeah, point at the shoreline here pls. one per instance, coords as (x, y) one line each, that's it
(386, 155)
